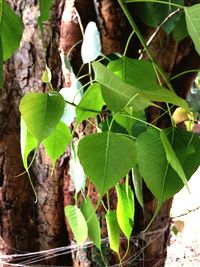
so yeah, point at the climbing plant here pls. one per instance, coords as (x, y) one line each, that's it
(125, 147)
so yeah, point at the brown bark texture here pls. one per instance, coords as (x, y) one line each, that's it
(27, 226)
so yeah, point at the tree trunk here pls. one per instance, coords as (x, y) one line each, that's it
(27, 226)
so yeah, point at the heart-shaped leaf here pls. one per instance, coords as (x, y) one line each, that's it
(92, 100)
(27, 141)
(77, 223)
(57, 142)
(159, 176)
(94, 231)
(42, 112)
(125, 216)
(10, 31)
(104, 158)
(193, 24)
(132, 71)
(113, 230)
(91, 46)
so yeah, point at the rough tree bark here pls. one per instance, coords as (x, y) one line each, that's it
(26, 226)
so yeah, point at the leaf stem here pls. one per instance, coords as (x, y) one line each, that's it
(128, 42)
(154, 1)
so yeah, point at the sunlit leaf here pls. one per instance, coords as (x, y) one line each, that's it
(132, 71)
(92, 100)
(46, 76)
(161, 94)
(27, 142)
(94, 231)
(125, 209)
(10, 31)
(115, 92)
(91, 46)
(138, 186)
(1, 65)
(193, 24)
(42, 112)
(113, 230)
(71, 94)
(104, 158)
(76, 170)
(44, 6)
(57, 142)
(77, 223)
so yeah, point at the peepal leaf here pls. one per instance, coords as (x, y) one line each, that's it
(91, 46)
(92, 100)
(162, 180)
(56, 143)
(132, 71)
(77, 223)
(94, 231)
(76, 170)
(97, 154)
(172, 158)
(125, 209)
(113, 230)
(115, 92)
(46, 76)
(1, 65)
(27, 141)
(10, 31)
(193, 24)
(45, 6)
(160, 94)
(42, 112)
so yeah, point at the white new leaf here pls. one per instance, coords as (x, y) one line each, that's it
(91, 46)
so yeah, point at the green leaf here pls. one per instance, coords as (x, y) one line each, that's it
(94, 231)
(10, 31)
(138, 187)
(113, 230)
(154, 167)
(172, 158)
(1, 64)
(92, 100)
(152, 14)
(171, 23)
(46, 76)
(161, 94)
(76, 170)
(1, 7)
(193, 24)
(56, 143)
(132, 121)
(132, 71)
(27, 142)
(42, 112)
(180, 31)
(116, 93)
(45, 6)
(125, 209)
(77, 223)
(106, 158)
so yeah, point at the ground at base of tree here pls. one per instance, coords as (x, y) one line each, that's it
(184, 249)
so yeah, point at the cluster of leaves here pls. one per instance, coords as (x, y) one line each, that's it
(125, 142)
